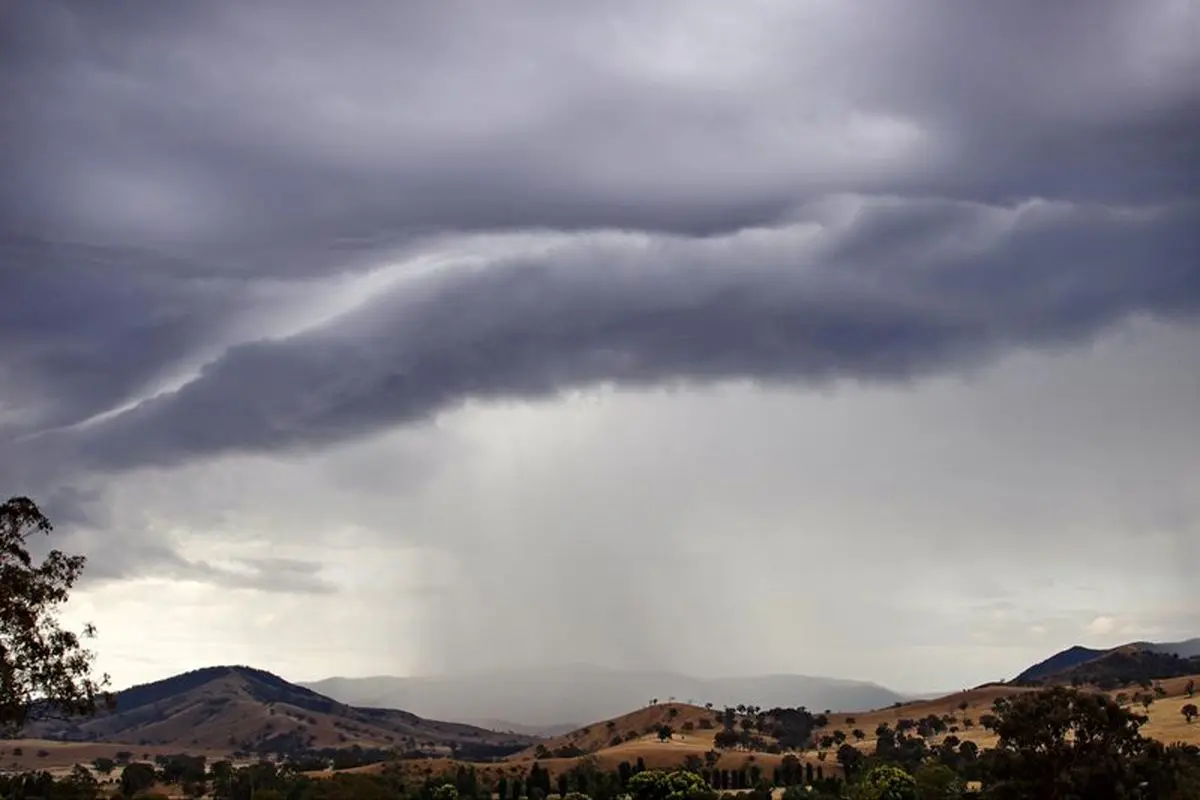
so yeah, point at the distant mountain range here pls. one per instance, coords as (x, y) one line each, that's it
(1186, 649)
(234, 707)
(548, 700)
(1128, 662)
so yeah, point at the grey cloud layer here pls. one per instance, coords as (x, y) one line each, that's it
(276, 135)
(779, 192)
(880, 290)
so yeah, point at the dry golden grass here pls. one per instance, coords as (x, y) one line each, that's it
(645, 722)
(1165, 723)
(64, 755)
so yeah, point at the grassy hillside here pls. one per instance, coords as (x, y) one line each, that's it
(605, 744)
(1116, 667)
(1121, 667)
(244, 709)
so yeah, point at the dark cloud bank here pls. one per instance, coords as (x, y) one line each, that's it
(623, 193)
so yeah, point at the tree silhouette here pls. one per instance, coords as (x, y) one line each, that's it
(851, 758)
(1062, 742)
(46, 670)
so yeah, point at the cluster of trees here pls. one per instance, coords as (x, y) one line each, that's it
(772, 731)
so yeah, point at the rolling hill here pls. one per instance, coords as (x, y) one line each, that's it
(549, 698)
(1118, 666)
(220, 710)
(1059, 662)
(239, 708)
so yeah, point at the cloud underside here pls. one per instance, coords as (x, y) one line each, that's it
(874, 289)
(282, 231)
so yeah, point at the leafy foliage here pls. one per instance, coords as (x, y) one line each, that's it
(887, 782)
(44, 669)
(661, 785)
(1061, 742)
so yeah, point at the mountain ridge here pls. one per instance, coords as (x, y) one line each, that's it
(255, 711)
(1127, 663)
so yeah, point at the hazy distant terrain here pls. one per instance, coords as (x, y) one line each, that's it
(576, 694)
(1185, 649)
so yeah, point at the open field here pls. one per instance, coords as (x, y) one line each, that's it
(52, 756)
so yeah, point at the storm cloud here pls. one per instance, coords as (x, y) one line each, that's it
(877, 290)
(238, 235)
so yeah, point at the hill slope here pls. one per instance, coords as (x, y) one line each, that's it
(239, 708)
(1067, 659)
(1109, 669)
(554, 696)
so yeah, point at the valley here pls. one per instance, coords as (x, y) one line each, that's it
(245, 716)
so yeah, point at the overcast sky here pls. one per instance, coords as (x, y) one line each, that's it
(400, 338)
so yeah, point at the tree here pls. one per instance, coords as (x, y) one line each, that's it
(1190, 712)
(1061, 742)
(136, 777)
(887, 782)
(937, 782)
(664, 733)
(1190, 688)
(851, 758)
(44, 670)
(656, 784)
(859, 734)
(78, 785)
